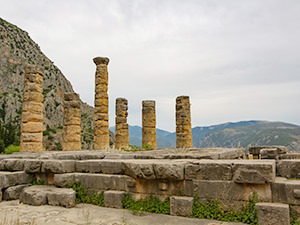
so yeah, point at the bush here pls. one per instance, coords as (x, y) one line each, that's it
(11, 149)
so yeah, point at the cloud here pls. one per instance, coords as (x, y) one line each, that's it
(233, 58)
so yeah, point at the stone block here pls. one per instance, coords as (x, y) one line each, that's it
(181, 206)
(113, 199)
(272, 213)
(139, 169)
(61, 197)
(170, 170)
(44, 194)
(8, 179)
(32, 166)
(209, 170)
(32, 127)
(32, 107)
(32, 137)
(230, 191)
(31, 147)
(288, 168)
(269, 153)
(286, 191)
(12, 164)
(71, 146)
(254, 172)
(58, 166)
(31, 117)
(88, 166)
(111, 167)
(13, 193)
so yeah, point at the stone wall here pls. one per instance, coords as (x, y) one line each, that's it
(101, 130)
(32, 110)
(72, 123)
(122, 131)
(149, 124)
(183, 123)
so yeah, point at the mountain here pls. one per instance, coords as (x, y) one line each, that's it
(243, 134)
(17, 49)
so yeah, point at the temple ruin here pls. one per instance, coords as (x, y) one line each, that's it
(101, 127)
(183, 123)
(32, 110)
(121, 128)
(72, 122)
(149, 124)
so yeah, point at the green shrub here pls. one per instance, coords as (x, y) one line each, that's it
(151, 204)
(212, 209)
(11, 149)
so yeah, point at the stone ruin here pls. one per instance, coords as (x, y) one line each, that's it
(72, 123)
(182, 174)
(149, 124)
(183, 123)
(121, 128)
(32, 110)
(101, 130)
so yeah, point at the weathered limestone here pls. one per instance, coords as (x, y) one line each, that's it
(122, 132)
(288, 168)
(13, 193)
(272, 213)
(44, 194)
(8, 179)
(183, 123)
(181, 206)
(101, 130)
(149, 124)
(286, 191)
(72, 125)
(267, 152)
(32, 110)
(113, 199)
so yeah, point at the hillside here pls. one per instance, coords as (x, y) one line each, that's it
(16, 49)
(241, 133)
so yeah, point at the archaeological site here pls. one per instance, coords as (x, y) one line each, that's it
(182, 175)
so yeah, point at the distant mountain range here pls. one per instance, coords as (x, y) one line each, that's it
(243, 134)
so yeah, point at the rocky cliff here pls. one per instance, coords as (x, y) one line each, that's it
(16, 49)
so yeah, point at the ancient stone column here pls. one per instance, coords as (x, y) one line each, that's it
(149, 124)
(32, 110)
(72, 122)
(101, 130)
(183, 123)
(122, 132)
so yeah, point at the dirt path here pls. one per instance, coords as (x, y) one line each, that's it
(84, 214)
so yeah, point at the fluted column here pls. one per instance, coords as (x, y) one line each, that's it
(32, 110)
(72, 122)
(101, 129)
(149, 124)
(122, 132)
(183, 123)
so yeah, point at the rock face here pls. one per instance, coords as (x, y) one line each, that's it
(32, 113)
(72, 124)
(183, 123)
(101, 130)
(149, 124)
(122, 132)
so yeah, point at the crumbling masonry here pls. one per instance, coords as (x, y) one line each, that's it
(122, 133)
(32, 112)
(183, 123)
(72, 123)
(149, 124)
(101, 130)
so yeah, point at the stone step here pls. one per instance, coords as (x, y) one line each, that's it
(8, 179)
(44, 194)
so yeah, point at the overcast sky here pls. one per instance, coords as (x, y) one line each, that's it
(237, 60)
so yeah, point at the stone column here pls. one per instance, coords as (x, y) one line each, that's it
(122, 133)
(72, 122)
(101, 130)
(32, 110)
(149, 124)
(183, 123)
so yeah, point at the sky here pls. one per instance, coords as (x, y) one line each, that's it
(237, 60)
